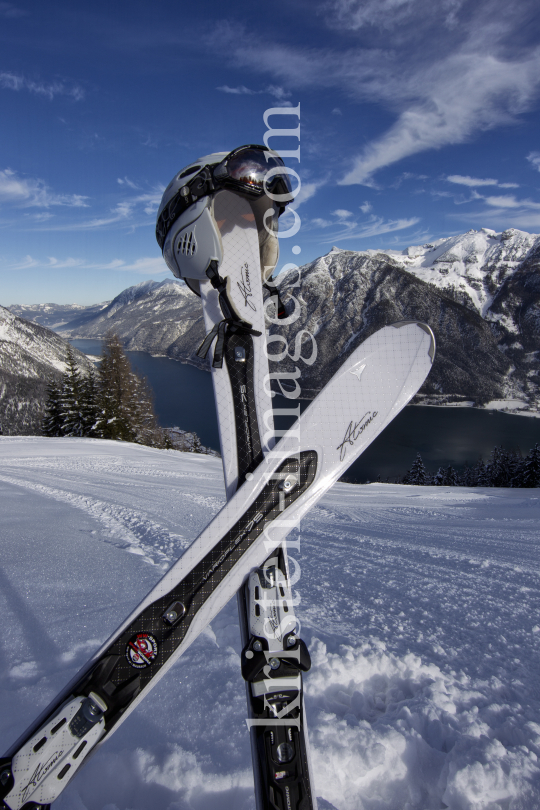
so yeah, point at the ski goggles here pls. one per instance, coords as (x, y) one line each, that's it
(245, 170)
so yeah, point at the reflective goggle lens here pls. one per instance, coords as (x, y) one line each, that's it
(250, 168)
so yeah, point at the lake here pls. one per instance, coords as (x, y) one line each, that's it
(456, 436)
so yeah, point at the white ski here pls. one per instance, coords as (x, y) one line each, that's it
(368, 391)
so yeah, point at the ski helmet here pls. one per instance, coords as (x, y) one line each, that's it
(186, 229)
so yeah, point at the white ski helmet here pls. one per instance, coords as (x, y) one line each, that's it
(186, 229)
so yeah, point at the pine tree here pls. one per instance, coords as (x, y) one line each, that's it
(451, 477)
(52, 418)
(417, 475)
(90, 396)
(144, 420)
(126, 410)
(439, 478)
(530, 476)
(481, 474)
(71, 400)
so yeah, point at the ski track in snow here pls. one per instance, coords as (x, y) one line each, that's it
(420, 607)
(125, 528)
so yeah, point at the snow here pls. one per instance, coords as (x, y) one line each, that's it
(419, 605)
(472, 263)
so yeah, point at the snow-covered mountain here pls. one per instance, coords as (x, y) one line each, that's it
(159, 317)
(30, 355)
(54, 316)
(479, 291)
(485, 313)
(473, 266)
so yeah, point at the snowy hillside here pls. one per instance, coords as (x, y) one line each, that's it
(420, 607)
(53, 316)
(159, 317)
(29, 356)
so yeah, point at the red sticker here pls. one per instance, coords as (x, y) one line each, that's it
(141, 650)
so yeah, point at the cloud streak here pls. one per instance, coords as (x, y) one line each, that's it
(273, 90)
(344, 226)
(450, 71)
(147, 265)
(17, 82)
(475, 182)
(34, 193)
(464, 94)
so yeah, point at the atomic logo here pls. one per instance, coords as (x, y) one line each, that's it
(141, 650)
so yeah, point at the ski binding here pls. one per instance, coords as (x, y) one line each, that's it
(40, 770)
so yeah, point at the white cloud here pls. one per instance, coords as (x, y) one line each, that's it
(33, 192)
(237, 91)
(307, 190)
(444, 88)
(127, 212)
(147, 265)
(464, 93)
(336, 111)
(534, 158)
(511, 202)
(356, 14)
(344, 226)
(14, 81)
(475, 182)
(125, 181)
(366, 207)
(374, 227)
(277, 92)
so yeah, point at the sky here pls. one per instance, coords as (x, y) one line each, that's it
(418, 120)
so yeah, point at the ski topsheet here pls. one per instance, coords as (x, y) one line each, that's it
(367, 392)
(242, 374)
(280, 748)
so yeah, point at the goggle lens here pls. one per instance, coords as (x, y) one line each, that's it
(250, 168)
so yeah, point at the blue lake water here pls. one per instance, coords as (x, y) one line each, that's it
(456, 436)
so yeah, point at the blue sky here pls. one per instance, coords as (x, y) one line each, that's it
(418, 120)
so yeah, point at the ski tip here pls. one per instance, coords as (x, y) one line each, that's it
(427, 329)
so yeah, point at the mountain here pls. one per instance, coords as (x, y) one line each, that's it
(161, 318)
(30, 355)
(54, 316)
(479, 291)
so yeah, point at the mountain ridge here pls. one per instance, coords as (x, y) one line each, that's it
(480, 292)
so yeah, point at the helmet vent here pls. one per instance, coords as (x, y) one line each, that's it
(187, 244)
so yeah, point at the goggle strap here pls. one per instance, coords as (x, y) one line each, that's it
(230, 323)
(280, 306)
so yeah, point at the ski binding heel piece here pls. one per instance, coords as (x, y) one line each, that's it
(40, 770)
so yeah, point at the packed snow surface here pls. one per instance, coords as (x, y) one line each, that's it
(420, 606)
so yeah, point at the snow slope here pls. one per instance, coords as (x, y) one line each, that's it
(420, 607)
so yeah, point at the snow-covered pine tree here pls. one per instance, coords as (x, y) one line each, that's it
(480, 474)
(417, 475)
(438, 479)
(115, 384)
(451, 477)
(71, 400)
(90, 403)
(530, 474)
(502, 467)
(144, 420)
(126, 410)
(52, 418)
